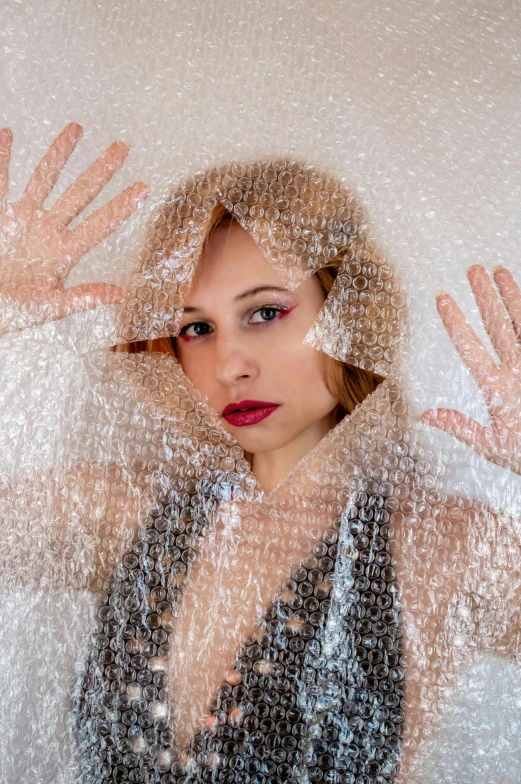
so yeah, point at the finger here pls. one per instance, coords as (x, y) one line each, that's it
(462, 427)
(87, 296)
(511, 296)
(468, 345)
(87, 187)
(6, 141)
(50, 166)
(104, 221)
(495, 319)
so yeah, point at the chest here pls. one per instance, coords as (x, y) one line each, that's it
(233, 587)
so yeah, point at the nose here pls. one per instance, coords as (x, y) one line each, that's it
(233, 361)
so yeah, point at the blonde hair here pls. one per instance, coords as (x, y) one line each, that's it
(348, 384)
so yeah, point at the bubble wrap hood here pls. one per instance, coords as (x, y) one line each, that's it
(301, 217)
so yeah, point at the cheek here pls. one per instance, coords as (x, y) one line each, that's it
(301, 368)
(194, 370)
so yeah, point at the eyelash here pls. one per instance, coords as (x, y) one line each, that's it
(278, 308)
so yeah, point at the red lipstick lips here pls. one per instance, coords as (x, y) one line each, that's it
(248, 412)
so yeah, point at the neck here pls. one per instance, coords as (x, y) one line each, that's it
(270, 468)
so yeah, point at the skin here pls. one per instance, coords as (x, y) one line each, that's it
(37, 247)
(234, 346)
(499, 381)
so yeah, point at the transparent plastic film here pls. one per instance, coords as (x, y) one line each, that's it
(168, 615)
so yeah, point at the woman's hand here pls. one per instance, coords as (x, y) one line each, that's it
(38, 250)
(500, 383)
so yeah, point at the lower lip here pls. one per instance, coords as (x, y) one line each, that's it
(249, 417)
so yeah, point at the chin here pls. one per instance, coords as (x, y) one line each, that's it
(257, 444)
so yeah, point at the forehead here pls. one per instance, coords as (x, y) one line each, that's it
(231, 262)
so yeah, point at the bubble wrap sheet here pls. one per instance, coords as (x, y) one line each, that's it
(165, 618)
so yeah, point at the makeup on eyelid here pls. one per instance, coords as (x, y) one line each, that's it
(283, 311)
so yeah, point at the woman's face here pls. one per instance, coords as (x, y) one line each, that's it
(241, 342)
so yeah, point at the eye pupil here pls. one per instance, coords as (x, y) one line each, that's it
(272, 311)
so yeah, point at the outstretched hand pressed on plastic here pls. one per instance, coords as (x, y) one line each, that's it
(38, 250)
(500, 383)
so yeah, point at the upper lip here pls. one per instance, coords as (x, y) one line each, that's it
(243, 404)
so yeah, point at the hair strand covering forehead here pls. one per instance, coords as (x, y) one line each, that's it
(301, 218)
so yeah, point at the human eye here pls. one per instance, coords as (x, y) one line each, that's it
(266, 313)
(196, 329)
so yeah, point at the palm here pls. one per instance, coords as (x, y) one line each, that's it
(500, 383)
(42, 244)
(37, 247)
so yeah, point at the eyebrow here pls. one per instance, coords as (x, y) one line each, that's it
(245, 294)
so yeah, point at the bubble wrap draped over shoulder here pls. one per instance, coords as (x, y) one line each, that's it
(340, 656)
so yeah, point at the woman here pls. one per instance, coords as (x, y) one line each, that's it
(293, 557)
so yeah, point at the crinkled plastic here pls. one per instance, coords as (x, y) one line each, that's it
(167, 620)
